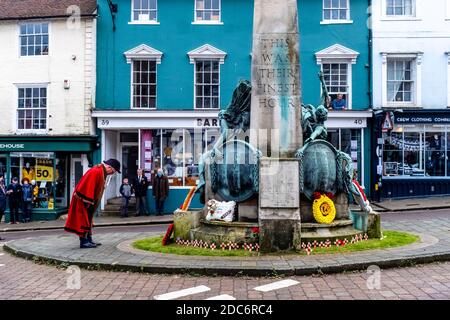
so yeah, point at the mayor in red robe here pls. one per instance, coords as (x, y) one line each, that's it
(86, 199)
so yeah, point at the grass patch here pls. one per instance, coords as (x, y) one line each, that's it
(154, 244)
(391, 239)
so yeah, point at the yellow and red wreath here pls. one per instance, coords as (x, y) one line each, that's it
(323, 207)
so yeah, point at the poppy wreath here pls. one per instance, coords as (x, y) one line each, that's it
(323, 207)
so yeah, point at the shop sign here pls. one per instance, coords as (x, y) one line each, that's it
(434, 118)
(207, 122)
(44, 170)
(11, 146)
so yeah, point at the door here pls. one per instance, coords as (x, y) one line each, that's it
(130, 160)
(77, 170)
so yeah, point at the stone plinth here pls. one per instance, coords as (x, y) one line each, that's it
(279, 204)
(338, 229)
(219, 231)
(184, 221)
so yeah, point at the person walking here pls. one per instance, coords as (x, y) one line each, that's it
(86, 199)
(14, 193)
(140, 185)
(126, 190)
(2, 197)
(160, 191)
(27, 199)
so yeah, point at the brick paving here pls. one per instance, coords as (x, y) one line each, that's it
(23, 279)
(116, 254)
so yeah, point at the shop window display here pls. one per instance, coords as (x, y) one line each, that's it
(47, 172)
(435, 153)
(172, 146)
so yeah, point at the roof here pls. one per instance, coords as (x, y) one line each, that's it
(29, 9)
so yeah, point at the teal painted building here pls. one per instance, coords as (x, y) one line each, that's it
(165, 69)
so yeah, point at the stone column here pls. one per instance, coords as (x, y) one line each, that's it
(276, 101)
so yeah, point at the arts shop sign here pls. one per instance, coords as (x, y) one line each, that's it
(422, 118)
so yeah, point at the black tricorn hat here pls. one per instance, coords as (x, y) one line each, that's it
(113, 163)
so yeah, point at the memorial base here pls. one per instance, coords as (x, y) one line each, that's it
(279, 205)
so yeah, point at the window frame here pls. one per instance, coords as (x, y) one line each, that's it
(148, 22)
(212, 59)
(17, 87)
(336, 21)
(416, 70)
(348, 94)
(413, 16)
(19, 36)
(207, 22)
(412, 80)
(133, 61)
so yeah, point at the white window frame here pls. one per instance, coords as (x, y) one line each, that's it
(148, 22)
(447, 15)
(206, 52)
(143, 52)
(342, 55)
(19, 36)
(385, 16)
(209, 22)
(16, 107)
(336, 21)
(416, 58)
(348, 93)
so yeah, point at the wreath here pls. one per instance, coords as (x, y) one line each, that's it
(324, 210)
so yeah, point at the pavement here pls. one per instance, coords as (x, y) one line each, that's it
(101, 221)
(117, 254)
(413, 204)
(396, 205)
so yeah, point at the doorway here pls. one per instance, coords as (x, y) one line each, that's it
(130, 160)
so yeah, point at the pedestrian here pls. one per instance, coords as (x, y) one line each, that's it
(14, 193)
(2, 197)
(160, 191)
(140, 186)
(86, 198)
(126, 190)
(27, 199)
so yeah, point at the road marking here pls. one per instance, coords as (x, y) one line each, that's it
(276, 285)
(2, 265)
(181, 293)
(222, 297)
(2, 254)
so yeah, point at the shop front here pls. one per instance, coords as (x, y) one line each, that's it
(175, 141)
(172, 140)
(414, 153)
(53, 164)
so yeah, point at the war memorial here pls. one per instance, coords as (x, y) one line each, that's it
(273, 159)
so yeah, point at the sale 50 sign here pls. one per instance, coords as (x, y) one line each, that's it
(44, 170)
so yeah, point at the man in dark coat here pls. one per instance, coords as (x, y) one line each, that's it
(14, 193)
(140, 186)
(86, 199)
(2, 198)
(160, 191)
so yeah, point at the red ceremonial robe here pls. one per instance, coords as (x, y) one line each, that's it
(85, 200)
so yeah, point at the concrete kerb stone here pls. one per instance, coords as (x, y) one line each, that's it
(229, 266)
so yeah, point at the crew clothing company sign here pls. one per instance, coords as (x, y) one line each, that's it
(439, 118)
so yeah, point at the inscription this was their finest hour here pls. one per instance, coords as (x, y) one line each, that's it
(276, 101)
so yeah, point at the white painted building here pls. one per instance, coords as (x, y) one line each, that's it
(47, 92)
(411, 84)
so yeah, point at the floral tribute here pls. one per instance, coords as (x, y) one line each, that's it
(309, 247)
(323, 207)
